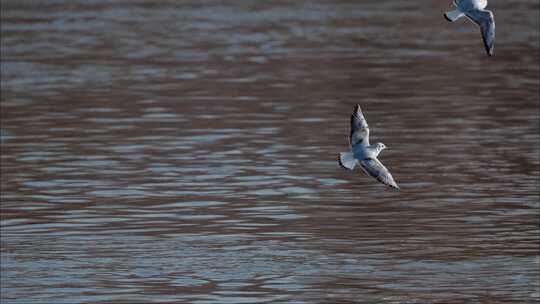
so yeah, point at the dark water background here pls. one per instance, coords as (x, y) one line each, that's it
(185, 151)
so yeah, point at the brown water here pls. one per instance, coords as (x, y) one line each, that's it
(167, 152)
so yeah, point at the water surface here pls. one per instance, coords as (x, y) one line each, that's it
(187, 152)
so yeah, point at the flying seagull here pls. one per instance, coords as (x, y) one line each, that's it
(363, 153)
(475, 10)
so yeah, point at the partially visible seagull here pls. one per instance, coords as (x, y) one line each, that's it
(475, 10)
(364, 153)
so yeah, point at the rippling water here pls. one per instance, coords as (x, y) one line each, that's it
(187, 152)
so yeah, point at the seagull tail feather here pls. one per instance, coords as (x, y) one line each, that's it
(453, 15)
(347, 160)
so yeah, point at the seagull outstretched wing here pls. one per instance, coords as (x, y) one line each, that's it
(486, 21)
(375, 168)
(359, 128)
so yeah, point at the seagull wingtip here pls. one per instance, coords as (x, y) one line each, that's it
(394, 186)
(357, 108)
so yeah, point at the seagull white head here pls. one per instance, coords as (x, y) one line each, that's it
(380, 146)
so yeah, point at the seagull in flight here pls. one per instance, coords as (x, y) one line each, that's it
(475, 11)
(363, 153)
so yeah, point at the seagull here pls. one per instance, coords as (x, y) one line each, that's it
(364, 153)
(475, 10)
